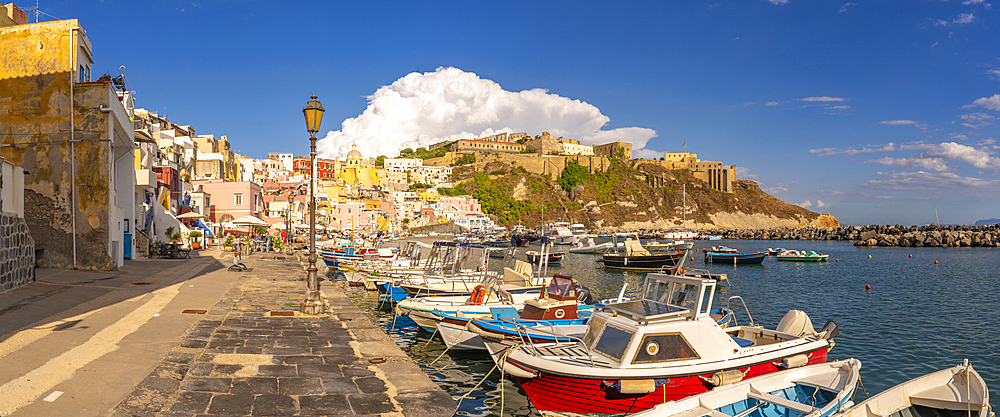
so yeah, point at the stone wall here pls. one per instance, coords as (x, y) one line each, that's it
(17, 253)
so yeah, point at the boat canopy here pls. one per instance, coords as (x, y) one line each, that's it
(666, 297)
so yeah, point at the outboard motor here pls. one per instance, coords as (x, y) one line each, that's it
(830, 330)
(583, 295)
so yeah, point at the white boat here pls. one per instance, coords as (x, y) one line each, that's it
(591, 247)
(632, 348)
(679, 235)
(810, 391)
(656, 247)
(559, 233)
(957, 391)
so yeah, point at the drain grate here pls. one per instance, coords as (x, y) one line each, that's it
(194, 311)
(282, 313)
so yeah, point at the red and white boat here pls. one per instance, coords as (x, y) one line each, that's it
(663, 347)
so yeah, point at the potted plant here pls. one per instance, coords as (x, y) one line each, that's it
(276, 243)
(229, 242)
(194, 235)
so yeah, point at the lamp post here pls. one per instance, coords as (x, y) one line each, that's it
(314, 116)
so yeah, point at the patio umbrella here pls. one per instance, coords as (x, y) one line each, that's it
(251, 221)
(279, 226)
(191, 215)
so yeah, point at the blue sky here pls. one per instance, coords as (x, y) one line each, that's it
(878, 112)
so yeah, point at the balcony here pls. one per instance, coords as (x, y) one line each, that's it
(145, 179)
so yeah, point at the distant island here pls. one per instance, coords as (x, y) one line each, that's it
(987, 222)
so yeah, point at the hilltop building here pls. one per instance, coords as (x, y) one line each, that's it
(614, 150)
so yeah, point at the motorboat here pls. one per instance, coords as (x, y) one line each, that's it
(559, 233)
(819, 390)
(591, 247)
(663, 347)
(801, 256)
(678, 235)
(957, 391)
(555, 308)
(550, 257)
(656, 246)
(634, 256)
(727, 255)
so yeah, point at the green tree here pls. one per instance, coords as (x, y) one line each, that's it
(574, 174)
(380, 161)
(405, 152)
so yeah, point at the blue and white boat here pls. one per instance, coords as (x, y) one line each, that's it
(820, 390)
(726, 255)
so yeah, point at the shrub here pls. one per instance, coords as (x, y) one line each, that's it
(574, 174)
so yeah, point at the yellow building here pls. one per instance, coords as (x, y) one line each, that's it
(430, 196)
(358, 171)
(74, 139)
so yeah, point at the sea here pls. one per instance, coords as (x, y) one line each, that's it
(904, 312)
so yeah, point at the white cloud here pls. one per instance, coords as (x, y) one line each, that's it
(964, 18)
(775, 103)
(805, 204)
(744, 173)
(776, 190)
(420, 109)
(937, 156)
(821, 204)
(977, 120)
(988, 103)
(778, 2)
(845, 6)
(968, 2)
(899, 122)
(833, 151)
(823, 98)
(937, 164)
(646, 154)
(939, 22)
(995, 73)
(942, 183)
(842, 107)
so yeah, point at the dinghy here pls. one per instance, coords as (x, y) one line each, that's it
(958, 391)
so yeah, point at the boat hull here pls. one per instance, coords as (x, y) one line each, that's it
(574, 394)
(643, 262)
(735, 258)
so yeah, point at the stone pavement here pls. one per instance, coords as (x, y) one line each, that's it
(248, 357)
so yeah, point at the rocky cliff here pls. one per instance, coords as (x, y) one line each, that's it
(628, 196)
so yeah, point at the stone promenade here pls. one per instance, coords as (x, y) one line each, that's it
(255, 354)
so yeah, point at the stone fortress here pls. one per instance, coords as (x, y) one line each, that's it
(548, 155)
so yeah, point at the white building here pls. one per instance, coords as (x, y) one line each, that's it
(402, 164)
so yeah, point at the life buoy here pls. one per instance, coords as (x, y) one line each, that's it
(478, 295)
(680, 270)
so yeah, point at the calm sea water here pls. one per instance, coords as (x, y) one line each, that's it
(918, 316)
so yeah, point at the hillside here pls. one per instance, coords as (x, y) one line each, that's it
(622, 197)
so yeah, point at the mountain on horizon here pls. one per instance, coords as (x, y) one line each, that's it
(986, 222)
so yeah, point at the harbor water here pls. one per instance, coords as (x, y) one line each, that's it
(927, 309)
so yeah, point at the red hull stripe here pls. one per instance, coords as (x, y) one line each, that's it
(586, 396)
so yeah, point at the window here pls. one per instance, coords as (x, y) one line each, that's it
(664, 347)
(238, 199)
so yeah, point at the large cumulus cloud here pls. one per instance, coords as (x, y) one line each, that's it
(425, 108)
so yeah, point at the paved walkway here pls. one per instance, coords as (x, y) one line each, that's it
(246, 357)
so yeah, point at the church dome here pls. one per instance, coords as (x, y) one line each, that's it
(354, 154)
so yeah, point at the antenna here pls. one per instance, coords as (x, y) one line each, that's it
(937, 220)
(36, 11)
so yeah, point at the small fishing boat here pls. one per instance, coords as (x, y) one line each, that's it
(635, 257)
(590, 246)
(537, 256)
(553, 309)
(819, 390)
(774, 251)
(727, 255)
(662, 347)
(958, 391)
(801, 256)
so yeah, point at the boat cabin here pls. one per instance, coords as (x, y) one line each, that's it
(557, 301)
(670, 322)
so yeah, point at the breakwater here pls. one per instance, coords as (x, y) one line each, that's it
(879, 235)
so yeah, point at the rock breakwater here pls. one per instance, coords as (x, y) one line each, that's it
(879, 235)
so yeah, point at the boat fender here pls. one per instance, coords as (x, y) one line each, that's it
(830, 330)
(634, 386)
(792, 362)
(478, 295)
(724, 377)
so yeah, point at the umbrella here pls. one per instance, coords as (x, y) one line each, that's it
(251, 221)
(228, 225)
(191, 215)
(279, 226)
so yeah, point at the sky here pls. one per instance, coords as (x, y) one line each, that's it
(878, 112)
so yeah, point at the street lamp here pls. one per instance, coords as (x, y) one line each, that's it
(314, 116)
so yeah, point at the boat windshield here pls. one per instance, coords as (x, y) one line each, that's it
(607, 339)
(561, 288)
(675, 294)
